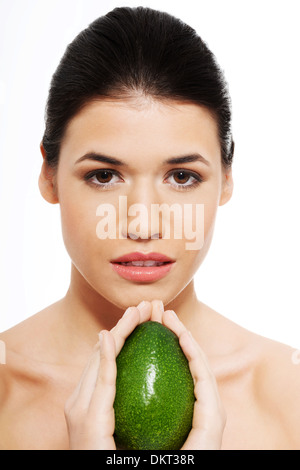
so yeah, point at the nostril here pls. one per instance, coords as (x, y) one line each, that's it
(133, 236)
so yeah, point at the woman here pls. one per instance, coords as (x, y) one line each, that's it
(139, 111)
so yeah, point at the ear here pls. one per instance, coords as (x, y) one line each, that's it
(227, 187)
(47, 180)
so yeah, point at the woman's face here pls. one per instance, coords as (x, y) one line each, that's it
(141, 136)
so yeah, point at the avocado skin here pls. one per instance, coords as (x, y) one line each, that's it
(154, 399)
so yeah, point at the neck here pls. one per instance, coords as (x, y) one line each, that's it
(185, 303)
(86, 312)
(87, 309)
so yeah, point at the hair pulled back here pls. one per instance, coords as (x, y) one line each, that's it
(136, 50)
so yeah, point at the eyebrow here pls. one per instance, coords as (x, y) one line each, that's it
(195, 157)
(96, 157)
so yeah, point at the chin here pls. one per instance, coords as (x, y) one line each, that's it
(133, 294)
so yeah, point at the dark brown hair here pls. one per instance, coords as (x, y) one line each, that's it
(130, 50)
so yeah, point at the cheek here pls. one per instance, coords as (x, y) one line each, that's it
(211, 202)
(200, 231)
(210, 213)
(78, 220)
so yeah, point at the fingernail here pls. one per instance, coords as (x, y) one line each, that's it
(141, 304)
(190, 333)
(100, 338)
(173, 313)
(127, 311)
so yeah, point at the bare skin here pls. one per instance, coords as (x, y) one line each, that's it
(257, 382)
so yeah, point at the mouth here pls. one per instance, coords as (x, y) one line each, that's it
(141, 267)
(143, 263)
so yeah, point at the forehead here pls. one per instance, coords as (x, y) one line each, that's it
(149, 128)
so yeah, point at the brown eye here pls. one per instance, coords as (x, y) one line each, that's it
(103, 179)
(181, 177)
(104, 176)
(184, 179)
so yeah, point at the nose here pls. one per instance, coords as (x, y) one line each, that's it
(140, 223)
(142, 236)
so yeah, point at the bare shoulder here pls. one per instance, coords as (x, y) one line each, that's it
(278, 386)
(33, 387)
(32, 336)
(259, 384)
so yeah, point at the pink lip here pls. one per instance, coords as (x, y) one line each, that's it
(136, 256)
(142, 273)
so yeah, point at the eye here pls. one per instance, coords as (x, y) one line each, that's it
(102, 178)
(184, 179)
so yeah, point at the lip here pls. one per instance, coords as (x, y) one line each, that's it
(136, 256)
(142, 273)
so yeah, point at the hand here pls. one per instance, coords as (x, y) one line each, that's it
(89, 411)
(209, 415)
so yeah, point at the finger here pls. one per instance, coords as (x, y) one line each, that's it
(157, 310)
(105, 386)
(209, 417)
(82, 394)
(125, 326)
(132, 317)
(197, 359)
(171, 321)
(145, 309)
(198, 364)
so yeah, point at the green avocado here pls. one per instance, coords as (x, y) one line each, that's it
(154, 399)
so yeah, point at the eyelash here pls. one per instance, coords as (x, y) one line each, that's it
(181, 187)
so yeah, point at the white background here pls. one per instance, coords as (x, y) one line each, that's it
(251, 273)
